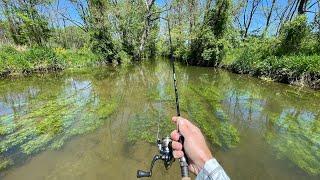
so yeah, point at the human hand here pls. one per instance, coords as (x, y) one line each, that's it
(194, 144)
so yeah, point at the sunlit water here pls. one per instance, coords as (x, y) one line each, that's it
(98, 123)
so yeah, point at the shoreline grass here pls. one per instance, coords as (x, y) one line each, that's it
(21, 61)
(256, 58)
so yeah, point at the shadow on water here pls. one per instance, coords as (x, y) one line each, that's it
(102, 123)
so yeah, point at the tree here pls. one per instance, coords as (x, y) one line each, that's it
(26, 24)
(208, 48)
(101, 38)
(147, 21)
(218, 18)
(249, 11)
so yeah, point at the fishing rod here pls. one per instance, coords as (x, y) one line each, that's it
(165, 144)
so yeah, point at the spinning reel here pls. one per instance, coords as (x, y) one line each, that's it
(165, 150)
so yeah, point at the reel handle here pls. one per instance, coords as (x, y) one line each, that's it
(141, 173)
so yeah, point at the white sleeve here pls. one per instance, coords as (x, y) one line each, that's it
(212, 171)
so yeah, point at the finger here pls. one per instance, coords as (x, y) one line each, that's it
(182, 125)
(174, 119)
(192, 168)
(175, 135)
(177, 154)
(176, 146)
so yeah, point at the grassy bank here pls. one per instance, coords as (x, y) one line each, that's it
(293, 57)
(261, 58)
(19, 60)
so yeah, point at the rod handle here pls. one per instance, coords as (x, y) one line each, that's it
(183, 161)
(184, 167)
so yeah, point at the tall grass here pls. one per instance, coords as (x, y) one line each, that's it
(14, 60)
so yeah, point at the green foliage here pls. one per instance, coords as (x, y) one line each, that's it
(26, 25)
(218, 18)
(4, 163)
(100, 32)
(33, 59)
(251, 52)
(102, 44)
(208, 47)
(259, 57)
(70, 37)
(292, 34)
(77, 58)
(42, 59)
(310, 45)
(131, 18)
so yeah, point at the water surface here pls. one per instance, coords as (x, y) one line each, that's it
(101, 123)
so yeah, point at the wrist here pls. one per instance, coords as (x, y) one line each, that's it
(203, 160)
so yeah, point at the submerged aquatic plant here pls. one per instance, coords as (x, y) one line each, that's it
(203, 107)
(296, 136)
(144, 126)
(51, 119)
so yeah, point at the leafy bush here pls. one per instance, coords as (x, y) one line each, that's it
(11, 60)
(42, 57)
(77, 58)
(252, 53)
(208, 48)
(310, 45)
(292, 35)
(260, 57)
(102, 44)
(218, 18)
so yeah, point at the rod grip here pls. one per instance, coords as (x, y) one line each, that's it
(184, 167)
(183, 161)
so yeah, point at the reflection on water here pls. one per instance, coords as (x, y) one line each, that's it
(102, 123)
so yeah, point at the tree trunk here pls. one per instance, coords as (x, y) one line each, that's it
(302, 6)
(149, 4)
(269, 17)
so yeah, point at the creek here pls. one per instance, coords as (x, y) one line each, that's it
(101, 123)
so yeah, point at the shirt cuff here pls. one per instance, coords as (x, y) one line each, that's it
(212, 171)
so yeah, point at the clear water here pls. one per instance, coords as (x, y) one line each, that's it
(100, 123)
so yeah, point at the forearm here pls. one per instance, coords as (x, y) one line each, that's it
(212, 171)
